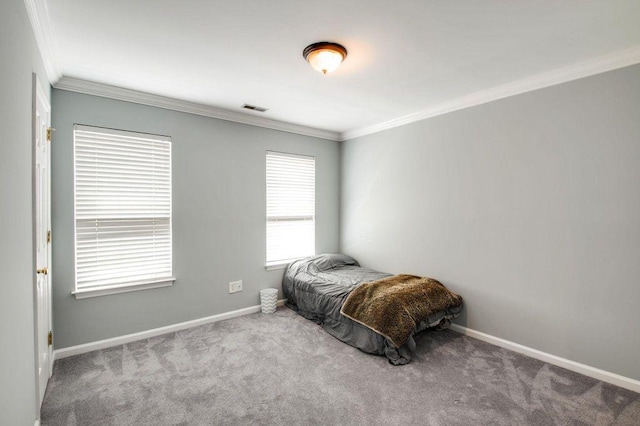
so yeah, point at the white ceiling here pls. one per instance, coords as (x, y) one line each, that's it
(404, 56)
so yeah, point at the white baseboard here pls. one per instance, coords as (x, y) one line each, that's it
(128, 338)
(605, 376)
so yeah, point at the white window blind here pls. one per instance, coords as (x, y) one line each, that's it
(122, 209)
(290, 207)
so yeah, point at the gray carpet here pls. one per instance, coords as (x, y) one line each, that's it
(284, 369)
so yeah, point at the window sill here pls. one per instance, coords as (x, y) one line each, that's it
(276, 266)
(108, 290)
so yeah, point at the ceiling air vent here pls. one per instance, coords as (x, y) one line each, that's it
(254, 108)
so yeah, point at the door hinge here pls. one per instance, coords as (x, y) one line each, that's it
(48, 236)
(50, 131)
(50, 338)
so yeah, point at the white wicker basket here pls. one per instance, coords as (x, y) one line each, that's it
(269, 300)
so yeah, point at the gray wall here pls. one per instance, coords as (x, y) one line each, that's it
(529, 207)
(20, 59)
(218, 216)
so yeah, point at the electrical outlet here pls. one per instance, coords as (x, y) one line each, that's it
(235, 286)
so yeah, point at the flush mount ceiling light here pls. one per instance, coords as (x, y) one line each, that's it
(324, 56)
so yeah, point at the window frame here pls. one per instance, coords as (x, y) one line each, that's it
(136, 284)
(282, 263)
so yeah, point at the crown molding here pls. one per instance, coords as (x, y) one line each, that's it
(128, 95)
(583, 69)
(40, 23)
(39, 18)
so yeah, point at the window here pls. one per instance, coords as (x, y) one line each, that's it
(122, 211)
(291, 206)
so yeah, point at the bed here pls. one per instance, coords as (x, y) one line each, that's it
(317, 288)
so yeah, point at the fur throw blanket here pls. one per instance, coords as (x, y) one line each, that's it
(394, 306)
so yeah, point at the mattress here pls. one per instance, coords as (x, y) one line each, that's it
(316, 288)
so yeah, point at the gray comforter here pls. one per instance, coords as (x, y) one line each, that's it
(317, 286)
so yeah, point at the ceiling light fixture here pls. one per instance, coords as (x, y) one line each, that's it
(324, 56)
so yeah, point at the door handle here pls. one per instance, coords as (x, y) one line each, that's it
(43, 271)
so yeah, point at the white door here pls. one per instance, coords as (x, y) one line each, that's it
(42, 219)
